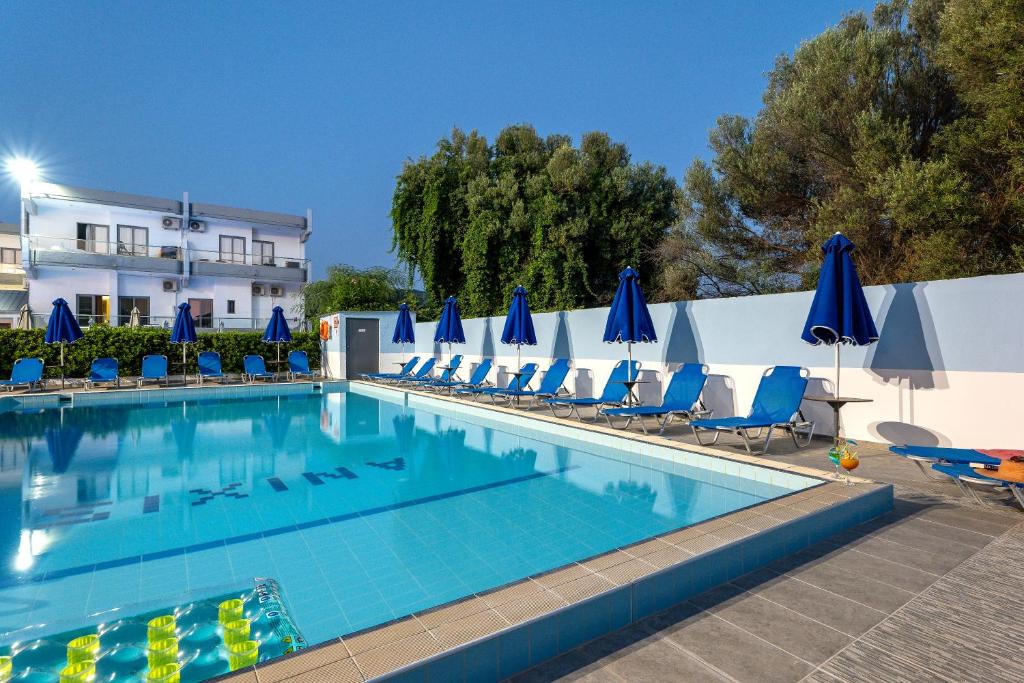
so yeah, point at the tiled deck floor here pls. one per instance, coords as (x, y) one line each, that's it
(931, 591)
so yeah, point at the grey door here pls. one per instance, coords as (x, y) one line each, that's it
(362, 346)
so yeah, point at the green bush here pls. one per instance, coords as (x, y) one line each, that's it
(128, 345)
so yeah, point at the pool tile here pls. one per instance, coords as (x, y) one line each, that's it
(362, 642)
(386, 658)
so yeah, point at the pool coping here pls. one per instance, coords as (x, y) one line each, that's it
(503, 631)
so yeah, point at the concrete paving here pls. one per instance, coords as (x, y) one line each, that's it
(931, 591)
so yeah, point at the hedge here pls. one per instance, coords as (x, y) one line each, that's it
(129, 344)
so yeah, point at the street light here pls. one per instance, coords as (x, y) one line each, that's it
(23, 170)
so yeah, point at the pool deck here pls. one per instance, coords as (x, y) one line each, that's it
(930, 591)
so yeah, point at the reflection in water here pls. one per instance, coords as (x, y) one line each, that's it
(61, 444)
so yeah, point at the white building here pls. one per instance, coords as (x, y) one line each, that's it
(13, 294)
(107, 253)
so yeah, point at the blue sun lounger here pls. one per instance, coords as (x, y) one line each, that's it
(552, 385)
(682, 398)
(446, 375)
(477, 379)
(209, 366)
(964, 474)
(26, 372)
(406, 371)
(103, 371)
(614, 393)
(776, 406)
(931, 455)
(254, 368)
(526, 374)
(154, 369)
(298, 365)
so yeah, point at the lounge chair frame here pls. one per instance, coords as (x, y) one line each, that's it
(37, 383)
(143, 379)
(90, 383)
(293, 375)
(574, 408)
(699, 413)
(794, 426)
(250, 377)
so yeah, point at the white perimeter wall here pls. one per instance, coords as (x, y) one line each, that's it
(948, 370)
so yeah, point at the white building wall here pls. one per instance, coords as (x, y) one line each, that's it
(53, 229)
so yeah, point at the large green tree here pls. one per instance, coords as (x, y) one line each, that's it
(475, 219)
(903, 130)
(352, 289)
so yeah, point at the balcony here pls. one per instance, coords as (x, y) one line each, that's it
(84, 253)
(12, 275)
(267, 269)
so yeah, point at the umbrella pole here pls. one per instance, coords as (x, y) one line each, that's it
(629, 374)
(62, 365)
(184, 376)
(836, 387)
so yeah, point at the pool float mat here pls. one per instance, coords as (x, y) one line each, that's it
(188, 642)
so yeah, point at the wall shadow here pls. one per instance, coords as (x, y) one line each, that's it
(487, 345)
(900, 433)
(907, 350)
(682, 344)
(651, 392)
(561, 346)
(819, 413)
(719, 396)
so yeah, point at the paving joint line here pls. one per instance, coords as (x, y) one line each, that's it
(895, 612)
(807, 616)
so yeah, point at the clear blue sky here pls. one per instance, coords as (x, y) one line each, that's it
(284, 106)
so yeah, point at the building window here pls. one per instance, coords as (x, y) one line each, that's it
(9, 257)
(93, 308)
(231, 306)
(125, 304)
(262, 253)
(5, 324)
(132, 240)
(202, 312)
(94, 238)
(232, 249)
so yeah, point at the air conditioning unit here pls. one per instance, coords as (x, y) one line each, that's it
(276, 291)
(197, 226)
(171, 223)
(259, 290)
(170, 285)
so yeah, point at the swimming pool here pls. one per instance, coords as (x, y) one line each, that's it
(364, 505)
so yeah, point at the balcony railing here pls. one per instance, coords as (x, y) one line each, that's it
(86, 252)
(40, 244)
(203, 323)
(248, 259)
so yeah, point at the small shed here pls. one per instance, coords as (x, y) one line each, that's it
(359, 342)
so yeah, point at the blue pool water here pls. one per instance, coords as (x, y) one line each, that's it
(364, 508)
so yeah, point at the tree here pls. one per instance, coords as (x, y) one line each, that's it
(902, 130)
(475, 219)
(350, 289)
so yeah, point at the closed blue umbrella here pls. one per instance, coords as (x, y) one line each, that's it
(449, 327)
(183, 332)
(839, 312)
(277, 331)
(405, 331)
(519, 324)
(629, 320)
(62, 329)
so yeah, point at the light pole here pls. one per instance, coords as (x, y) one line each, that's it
(25, 172)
